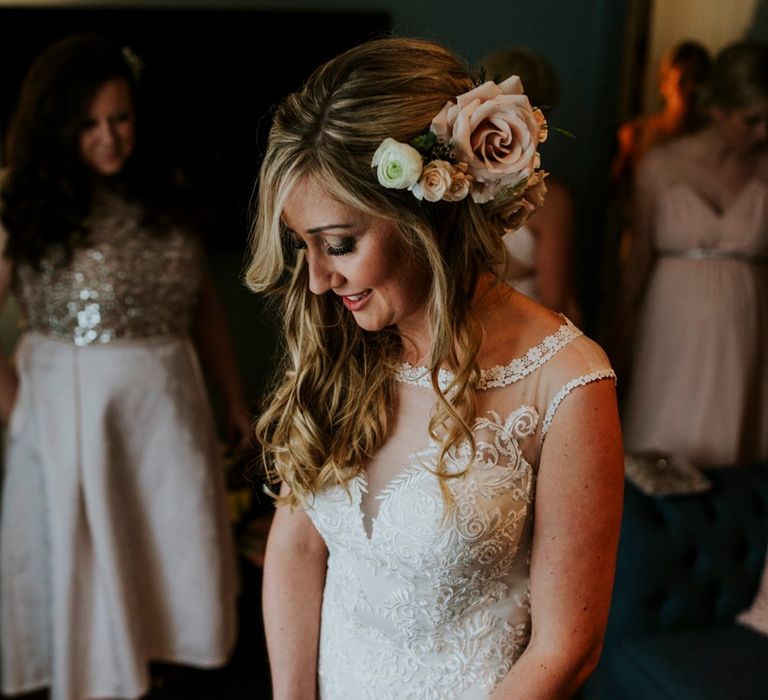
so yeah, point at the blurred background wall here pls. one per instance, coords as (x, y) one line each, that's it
(714, 23)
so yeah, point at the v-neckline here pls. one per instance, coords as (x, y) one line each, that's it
(386, 491)
(711, 208)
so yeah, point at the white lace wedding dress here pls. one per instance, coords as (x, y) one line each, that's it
(426, 603)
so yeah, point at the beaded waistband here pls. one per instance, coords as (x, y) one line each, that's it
(713, 254)
(98, 335)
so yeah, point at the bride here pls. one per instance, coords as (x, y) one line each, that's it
(448, 451)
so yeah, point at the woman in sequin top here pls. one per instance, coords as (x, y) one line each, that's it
(448, 451)
(116, 547)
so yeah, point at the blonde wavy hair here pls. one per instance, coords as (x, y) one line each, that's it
(335, 401)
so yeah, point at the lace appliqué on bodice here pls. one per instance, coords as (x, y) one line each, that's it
(434, 604)
(432, 600)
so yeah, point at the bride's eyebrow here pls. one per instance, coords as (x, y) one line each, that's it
(320, 229)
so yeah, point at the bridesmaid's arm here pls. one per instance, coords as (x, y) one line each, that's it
(294, 578)
(9, 381)
(214, 345)
(576, 528)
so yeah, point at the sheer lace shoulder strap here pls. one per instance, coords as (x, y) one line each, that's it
(583, 380)
(538, 355)
(500, 375)
(585, 362)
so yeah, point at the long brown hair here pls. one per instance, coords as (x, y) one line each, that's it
(47, 192)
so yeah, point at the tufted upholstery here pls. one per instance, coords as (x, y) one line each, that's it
(686, 566)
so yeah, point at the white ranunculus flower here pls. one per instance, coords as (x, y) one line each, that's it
(398, 165)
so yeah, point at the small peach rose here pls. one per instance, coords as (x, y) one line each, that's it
(536, 190)
(461, 182)
(434, 182)
(514, 214)
(513, 210)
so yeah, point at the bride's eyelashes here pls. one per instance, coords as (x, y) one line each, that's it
(345, 246)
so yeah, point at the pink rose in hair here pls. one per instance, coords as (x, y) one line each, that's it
(493, 129)
(514, 209)
(536, 190)
(434, 182)
(461, 183)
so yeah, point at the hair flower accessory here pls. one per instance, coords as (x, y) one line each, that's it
(518, 204)
(484, 145)
(398, 165)
(493, 129)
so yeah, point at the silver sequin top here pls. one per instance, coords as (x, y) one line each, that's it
(126, 283)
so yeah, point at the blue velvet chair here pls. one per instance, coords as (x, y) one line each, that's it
(687, 565)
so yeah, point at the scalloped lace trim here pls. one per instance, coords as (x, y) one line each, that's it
(500, 375)
(570, 386)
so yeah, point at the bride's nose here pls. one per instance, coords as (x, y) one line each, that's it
(322, 275)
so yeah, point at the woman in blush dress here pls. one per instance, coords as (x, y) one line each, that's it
(448, 451)
(116, 544)
(697, 279)
(682, 73)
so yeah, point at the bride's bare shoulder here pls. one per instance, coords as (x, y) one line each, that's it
(512, 324)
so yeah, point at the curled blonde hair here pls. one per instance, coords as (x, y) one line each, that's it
(334, 404)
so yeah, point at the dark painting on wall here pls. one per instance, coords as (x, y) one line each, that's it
(212, 76)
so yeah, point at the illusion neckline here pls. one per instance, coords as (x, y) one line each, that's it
(498, 375)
